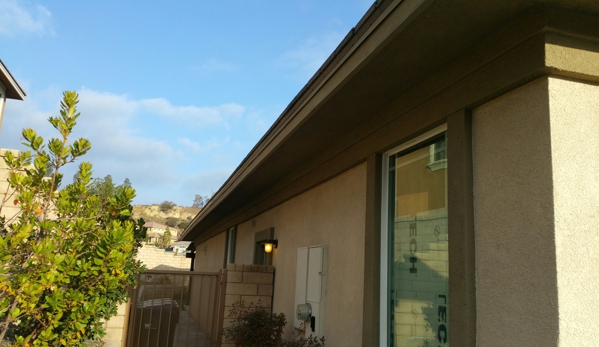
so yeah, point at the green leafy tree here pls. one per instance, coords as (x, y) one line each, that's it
(165, 240)
(102, 187)
(198, 201)
(127, 183)
(67, 258)
(105, 187)
(166, 206)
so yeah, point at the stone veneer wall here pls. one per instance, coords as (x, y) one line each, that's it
(247, 284)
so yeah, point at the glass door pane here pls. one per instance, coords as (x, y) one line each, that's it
(418, 270)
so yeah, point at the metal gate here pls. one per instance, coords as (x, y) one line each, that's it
(177, 309)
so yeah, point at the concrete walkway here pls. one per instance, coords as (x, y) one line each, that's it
(188, 333)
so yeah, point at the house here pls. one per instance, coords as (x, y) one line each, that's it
(179, 247)
(436, 181)
(157, 228)
(9, 89)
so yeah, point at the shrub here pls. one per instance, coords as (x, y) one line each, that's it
(301, 341)
(67, 258)
(172, 221)
(255, 326)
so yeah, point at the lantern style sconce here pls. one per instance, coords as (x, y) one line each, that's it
(270, 244)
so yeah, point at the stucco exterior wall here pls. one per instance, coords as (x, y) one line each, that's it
(210, 255)
(516, 282)
(574, 110)
(332, 214)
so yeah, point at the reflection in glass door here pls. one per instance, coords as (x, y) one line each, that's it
(418, 271)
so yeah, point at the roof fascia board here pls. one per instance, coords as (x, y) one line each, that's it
(13, 90)
(360, 53)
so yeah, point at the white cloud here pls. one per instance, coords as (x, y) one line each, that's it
(117, 148)
(196, 147)
(18, 18)
(192, 115)
(168, 152)
(310, 54)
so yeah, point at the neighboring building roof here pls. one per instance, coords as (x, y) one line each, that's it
(13, 90)
(155, 225)
(181, 243)
(154, 235)
(393, 49)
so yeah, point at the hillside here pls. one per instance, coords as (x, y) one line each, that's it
(152, 213)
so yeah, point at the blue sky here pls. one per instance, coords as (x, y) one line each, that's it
(174, 94)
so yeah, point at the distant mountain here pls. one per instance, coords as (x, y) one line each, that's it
(176, 215)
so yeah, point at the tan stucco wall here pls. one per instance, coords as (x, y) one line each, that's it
(209, 258)
(575, 149)
(210, 254)
(331, 214)
(516, 285)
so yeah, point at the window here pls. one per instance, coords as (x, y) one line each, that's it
(230, 246)
(437, 156)
(415, 262)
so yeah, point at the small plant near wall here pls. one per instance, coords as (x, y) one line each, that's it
(255, 326)
(301, 341)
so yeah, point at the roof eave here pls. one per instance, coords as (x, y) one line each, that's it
(13, 89)
(371, 18)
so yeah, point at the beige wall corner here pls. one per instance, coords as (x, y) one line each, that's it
(516, 284)
(575, 148)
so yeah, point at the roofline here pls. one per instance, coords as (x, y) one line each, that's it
(343, 51)
(13, 89)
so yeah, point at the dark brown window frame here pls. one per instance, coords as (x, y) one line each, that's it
(461, 228)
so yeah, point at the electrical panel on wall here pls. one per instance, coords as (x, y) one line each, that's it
(310, 289)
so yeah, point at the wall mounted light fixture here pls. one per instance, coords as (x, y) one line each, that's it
(270, 244)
